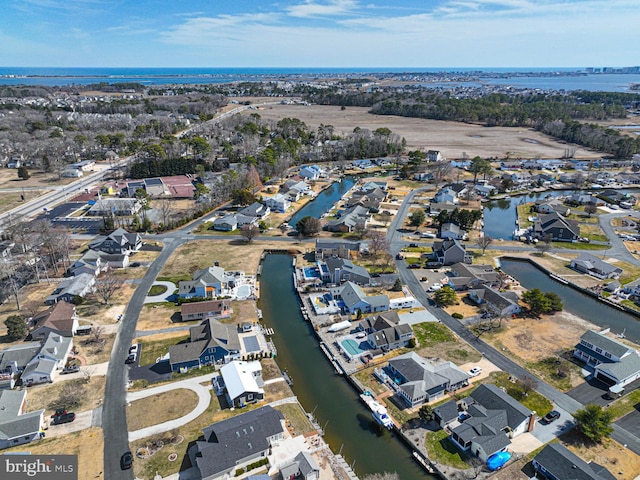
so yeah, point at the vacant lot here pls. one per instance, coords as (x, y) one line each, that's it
(453, 139)
(89, 395)
(160, 408)
(154, 316)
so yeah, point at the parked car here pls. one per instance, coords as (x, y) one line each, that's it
(475, 371)
(126, 461)
(435, 287)
(550, 417)
(58, 412)
(64, 418)
(428, 235)
(134, 349)
(71, 369)
(131, 358)
(414, 265)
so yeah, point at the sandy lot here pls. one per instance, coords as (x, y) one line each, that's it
(452, 138)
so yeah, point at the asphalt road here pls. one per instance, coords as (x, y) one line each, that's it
(618, 250)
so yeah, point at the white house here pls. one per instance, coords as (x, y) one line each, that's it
(243, 382)
(278, 203)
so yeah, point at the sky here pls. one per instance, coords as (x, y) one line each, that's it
(319, 33)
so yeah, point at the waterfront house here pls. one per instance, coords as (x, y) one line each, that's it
(451, 231)
(355, 217)
(385, 333)
(236, 442)
(448, 252)
(243, 382)
(422, 380)
(277, 203)
(311, 172)
(72, 287)
(463, 276)
(557, 462)
(18, 427)
(446, 194)
(445, 413)
(303, 466)
(353, 299)
(592, 265)
(484, 190)
(614, 363)
(339, 248)
(207, 283)
(499, 303)
(209, 343)
(556, 227)
(208, 309)
(491, 419)
(117, 242)
(436, 208)
(551, 206)
(339, 270)
(257, 210)
(61, 319)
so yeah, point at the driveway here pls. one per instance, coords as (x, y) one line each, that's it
(631, 422)
(82, 421)
(156, 372)
(163, 297)
(546, 433)
(592, 391)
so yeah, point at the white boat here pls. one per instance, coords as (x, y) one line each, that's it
(378, 411)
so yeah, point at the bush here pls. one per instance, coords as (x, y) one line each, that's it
(457, 316)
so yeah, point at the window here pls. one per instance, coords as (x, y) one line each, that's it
(250, 396)
(607, 354)
(598, 350)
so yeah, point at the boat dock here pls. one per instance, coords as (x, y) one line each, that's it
(336, 366)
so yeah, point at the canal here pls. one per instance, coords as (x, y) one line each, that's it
(324, 201)
(349, 427)
(574, 301)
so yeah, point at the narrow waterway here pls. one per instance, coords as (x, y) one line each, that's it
(574, 301)
(350, 428)
(324, 201)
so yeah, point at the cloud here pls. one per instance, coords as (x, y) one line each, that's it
(312, 9)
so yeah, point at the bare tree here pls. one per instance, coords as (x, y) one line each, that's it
(249, 232)
(70, 395)
(10, 276)
(377, 242)
(107, 285)
(476, 467)
(590, 209)
(440, 172)
(545, 245)
(483, 242)
(165, 208)
(87, 373)
(527, 383)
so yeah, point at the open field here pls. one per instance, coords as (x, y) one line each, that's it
(154, 316)
(160, 408)
(87, 444)
(452, 138)
(46, 395)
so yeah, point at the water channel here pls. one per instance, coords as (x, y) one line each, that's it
(349, 427)
(574, 301)
(324, 201)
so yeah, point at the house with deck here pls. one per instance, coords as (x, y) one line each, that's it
(207, 283)
(339, 248)
(278, 203)
(243, 382)
(555, 226)
(451, 231)
(339, 270)
(385, 332)
(353, 299)
(592, 265)
(302, 466)
(207, 309)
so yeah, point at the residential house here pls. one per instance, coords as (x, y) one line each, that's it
(499, 303)
(435, 156)
(84, 165)
(543, 179)
(207, 283)
(584, 199)
(617, 197)
(72, 287)
(208, 309)
(118, 242)
(485, 190)
(463, 276)
(15, 358)
(16, 426)
(51, 357)
(422, 380)
(243, 382)
(451, 231)
(370, 199)
(423, 176)
(448, 252)
(445, 194)
(614, 363)
(557, 462)
(446, 413)
(363, 164)
(209, 343)
(353, 299)
(311, 172)
(339, 270)
(278, 203)
(72, 173)
(228, 223)
(237, 442)
(331, 248)
(492, 419)
(436, 208)
(372, 185)
(551, 206)
(257, 210)
(355, 217)
(61, 318)
(557, 227)
(106, 207)
(91, 262)
(303, 466)
(385, 333)
(592, 265)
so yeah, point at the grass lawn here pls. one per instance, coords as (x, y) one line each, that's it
(621, 406)
(429, 334)
(157, 290)
(152, 348)
(87, 444)
(593, 232)
(524, 212)
(94, 352)
(440, 449)
(630, 304)
(46, 396)
(547, 369)
(160, 408)
(154, 316)
(297, 418)
(578, 246)
(532, 400)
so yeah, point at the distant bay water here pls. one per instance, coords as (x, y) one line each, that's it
(535, 78)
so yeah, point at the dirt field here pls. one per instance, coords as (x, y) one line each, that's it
(157, 316)
(452, 138)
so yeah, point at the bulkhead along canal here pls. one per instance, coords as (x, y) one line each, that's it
(349, 427)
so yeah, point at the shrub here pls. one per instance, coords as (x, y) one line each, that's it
(457, 316)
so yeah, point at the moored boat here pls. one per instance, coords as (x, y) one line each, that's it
(378, 411)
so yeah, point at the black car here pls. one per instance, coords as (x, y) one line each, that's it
(126, 461)
(131, 358)
(552, 416)
(64, 418)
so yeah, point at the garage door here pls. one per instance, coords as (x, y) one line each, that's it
(605, 379)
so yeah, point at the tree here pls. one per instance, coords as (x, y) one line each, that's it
(308, 226)
(23, 173)
(16, 327)
(165, 208)
(397, 286)
(445, 297)
(480, 166)
(594, 422)
(417, 218)
(377, 242)
(537, 302)
(483, 242)
(545, 245)
(527, 384)
(440, 172)
(555, 300)
(107, 285)
(590, 209)
(249, 231)
(425, 413)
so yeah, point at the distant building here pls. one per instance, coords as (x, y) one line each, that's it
(557, 462)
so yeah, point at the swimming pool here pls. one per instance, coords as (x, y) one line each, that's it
(311, 272)
(243, 291)
(352, 347)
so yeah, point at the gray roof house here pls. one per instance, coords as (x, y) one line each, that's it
(385, 333)
(119, 241)
(451, 231)
(557, 462)
(424, 380)
(558, 227)
(236, 442)
(256, 209)
(303, 466)
(207, 283)
(330, 248)
(464, 276)
(353, 299)
(448, 252)
(340, 269)
(492, 419)
(592, 265)
(15, 358)
(16, 426)
(446, 413)
(51, 357)
(349, 219)
(614, 363)
(498, 303)
(72, 287)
